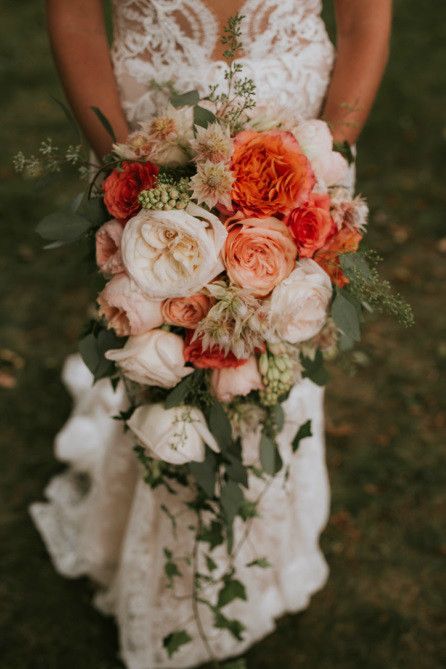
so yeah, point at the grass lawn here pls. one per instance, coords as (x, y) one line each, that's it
(383, 606)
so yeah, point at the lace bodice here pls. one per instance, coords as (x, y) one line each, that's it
(286, 50)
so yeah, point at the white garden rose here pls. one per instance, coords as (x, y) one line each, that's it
(316, 142)
(173, 253)
(298, 305)
(153, 359)
(175, 435)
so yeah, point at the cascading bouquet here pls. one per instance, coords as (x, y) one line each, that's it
(230, 249)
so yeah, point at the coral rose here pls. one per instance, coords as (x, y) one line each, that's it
(227, 383)
(108, 251)
(347, 240)
(272, 174)
(124, 184)
(259, 254)
(311, 225)
(126, 309)
(186, 312)
(211, 358)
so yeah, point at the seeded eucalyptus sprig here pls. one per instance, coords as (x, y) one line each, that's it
(239, 96)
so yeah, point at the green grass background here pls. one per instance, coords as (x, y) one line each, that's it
(383, 606)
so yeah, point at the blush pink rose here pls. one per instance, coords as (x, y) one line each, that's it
(227, 383)
(108, 248)
(259, 254)
(126, 309)
(186, 312)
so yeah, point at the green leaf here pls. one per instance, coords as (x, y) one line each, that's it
(235, 470)
(188, 99)
(303, 432)
(212, 535)
(231, 589)
(92, 348)
(211, 565)
(171, 570)
(177, 395)
(269, 455)
(231, 498)
(63, 226)
(278, 416)
(205, 472)
(315, 369)
(260, 562)
(203, 117)
(172, 642)
(345, 316)
(220, 425)
(234, 627)
(354, 262)
(105, 122)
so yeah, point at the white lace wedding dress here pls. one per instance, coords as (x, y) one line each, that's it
(101, 519)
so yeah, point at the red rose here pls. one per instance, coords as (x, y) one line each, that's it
(124, 184)
(211, 358)
(311, 225)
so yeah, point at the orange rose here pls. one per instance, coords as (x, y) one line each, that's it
(186, 312)
(311, 225)
(124, 184)
(272, 175)
(211, 358)
(259, 253)
(347, 240)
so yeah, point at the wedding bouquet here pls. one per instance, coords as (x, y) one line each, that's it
(230, 246)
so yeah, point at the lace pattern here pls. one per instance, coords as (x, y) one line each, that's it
(286, 48)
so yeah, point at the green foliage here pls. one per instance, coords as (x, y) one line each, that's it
(230, 590)
(93, 346)
(314, 369)
(263, 563)
(269, 455)
(303, 432)
(231, 499)
(235, 627)
(205, 473)
(104, 122)
(346, 313)
(368, 287)
(174, 641)
(71, 223)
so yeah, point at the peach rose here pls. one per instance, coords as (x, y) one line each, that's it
(108, 248)
(126, 309)
(347, 240)
(186, 312)
(272, 174)
(229, 382)
(259, 254)
(311, 225)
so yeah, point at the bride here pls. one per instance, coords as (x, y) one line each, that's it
(100, 518)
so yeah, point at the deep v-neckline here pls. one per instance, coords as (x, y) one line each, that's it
(214, 54)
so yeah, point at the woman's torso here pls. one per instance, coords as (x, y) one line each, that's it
(286, 50)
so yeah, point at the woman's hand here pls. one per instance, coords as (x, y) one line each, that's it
(363, 35)
(79, 42)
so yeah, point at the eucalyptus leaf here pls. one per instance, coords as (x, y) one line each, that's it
(173, 642)
(93, 347)
(235, 470)
(220, 425)
(177, 395)
(63, 226)
(269, 455)
(354, 262)
(303, 432)
(345, 315)
(205, 472)
(188, 99)
(203, 117)
(231, 498)
(278, 416)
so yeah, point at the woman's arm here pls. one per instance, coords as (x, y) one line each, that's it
(363, 35)
(79, 42)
